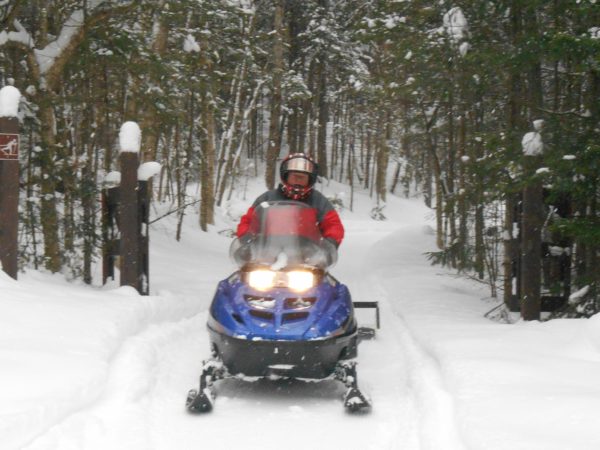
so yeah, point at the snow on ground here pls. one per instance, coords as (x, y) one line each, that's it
(101, 367)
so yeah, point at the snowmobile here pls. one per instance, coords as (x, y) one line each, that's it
(282, 314)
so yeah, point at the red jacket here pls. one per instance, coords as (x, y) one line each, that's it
(327, 217)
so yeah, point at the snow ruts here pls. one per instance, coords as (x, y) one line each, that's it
(434, 404)
(129, 386)
(437, 419)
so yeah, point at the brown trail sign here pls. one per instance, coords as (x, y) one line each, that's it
(9, 146)
(9, 194)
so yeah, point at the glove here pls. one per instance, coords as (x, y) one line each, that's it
(245, 238)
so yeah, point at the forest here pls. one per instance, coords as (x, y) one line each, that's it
(488, 110)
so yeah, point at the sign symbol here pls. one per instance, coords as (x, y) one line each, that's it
(9, 146)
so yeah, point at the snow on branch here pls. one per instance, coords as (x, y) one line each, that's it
(457, 29)
(21, 36)
(455, 24)
(532, 142)
(48, 55)
(190, 45)
(52, 57)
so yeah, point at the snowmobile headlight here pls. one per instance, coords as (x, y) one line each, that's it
(261, 280)
(300, 280)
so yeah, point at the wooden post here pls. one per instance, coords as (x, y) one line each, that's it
(145, 172)
(128, 220)
(110, 225)
(9, 180)
(130, 138)
(143, 214)
(510, 258)
(532, 223)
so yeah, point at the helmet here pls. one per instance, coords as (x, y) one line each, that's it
(297, 162)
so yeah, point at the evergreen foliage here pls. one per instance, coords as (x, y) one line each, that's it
(439, 94)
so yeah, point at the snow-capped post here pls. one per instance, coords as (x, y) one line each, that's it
(130, 140)
(145, 172)
(110, 224)
(532, 220)
(9, 179)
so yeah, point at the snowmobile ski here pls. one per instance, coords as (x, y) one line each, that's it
(202, 399)
(354, 399)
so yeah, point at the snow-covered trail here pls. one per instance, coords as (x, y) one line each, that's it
(97, 368)
(142, 403)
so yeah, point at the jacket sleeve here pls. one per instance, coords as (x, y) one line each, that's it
(331, 226)
(244, 224)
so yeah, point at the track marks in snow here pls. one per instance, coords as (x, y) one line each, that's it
(437, 417)
(117, 418)
(433, 403)
(383, 365)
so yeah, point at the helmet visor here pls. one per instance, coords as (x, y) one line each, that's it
(300, 165)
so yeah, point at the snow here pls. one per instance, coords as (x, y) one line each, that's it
(130, 137)
(147, 170)
(102, 367)
(46, 56)
(113, 178)
(532, 144)
(576, 296)
(21, 36)
(556, 250)
(190, 45)
(455, 24)
(9, 101)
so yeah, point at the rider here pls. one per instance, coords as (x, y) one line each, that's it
(298, 173)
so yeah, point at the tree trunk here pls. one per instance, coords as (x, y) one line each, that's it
(383, 157)
(533, 201)
(48, 213)
(274, 130)
(150, 123)
(462, 204)
(207, 164)
(323, 108)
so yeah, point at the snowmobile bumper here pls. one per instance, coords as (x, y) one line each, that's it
(315, 359)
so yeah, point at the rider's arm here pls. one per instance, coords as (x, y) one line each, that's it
(330, 223)
(246, 219)
(331, 227)
(244, 224)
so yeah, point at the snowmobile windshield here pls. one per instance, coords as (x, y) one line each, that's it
(284, 235)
